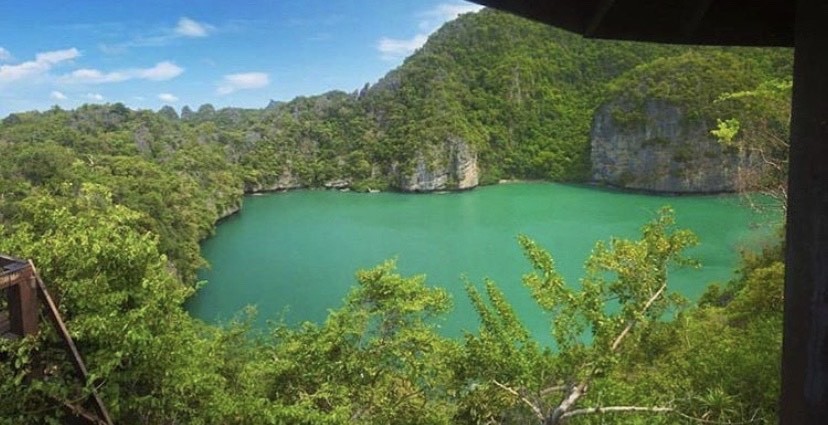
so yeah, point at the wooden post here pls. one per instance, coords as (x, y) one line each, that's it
(804, 399)
(21, 294)
(74, 355)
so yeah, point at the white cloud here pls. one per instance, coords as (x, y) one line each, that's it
(445, 12)
(42, 63)
(430, 20)
(394, 48)
(161, 71)
(95, 96)
(56, 95)
(244, 81)
(168, 97)
(93, 76)
(57, 56)
(185, 28)
(189, 28)
(5, 55)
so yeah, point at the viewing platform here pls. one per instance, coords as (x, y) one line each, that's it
(25, 297)
(19, 311)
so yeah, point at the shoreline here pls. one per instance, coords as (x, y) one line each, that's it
(502, 182)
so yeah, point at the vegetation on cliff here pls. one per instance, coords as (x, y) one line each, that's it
(111, 203)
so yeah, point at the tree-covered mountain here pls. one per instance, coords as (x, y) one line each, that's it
(518, 98)
(489, 97)
(111, 204)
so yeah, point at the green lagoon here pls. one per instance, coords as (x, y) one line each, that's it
(293, 255)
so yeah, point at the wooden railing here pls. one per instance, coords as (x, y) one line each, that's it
(26, 298)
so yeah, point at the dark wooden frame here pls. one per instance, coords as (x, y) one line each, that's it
(802, 24)
(26, 296)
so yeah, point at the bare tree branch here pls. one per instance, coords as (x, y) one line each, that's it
(631, 323)
(655, 409)
(560, 412)
(535, 409)
(712, 422)
(617, 409)
(549, 390)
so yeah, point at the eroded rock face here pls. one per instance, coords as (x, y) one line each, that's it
(452, 166)
(228, 211)
(660, 150)
(337, 184)
(286, 181)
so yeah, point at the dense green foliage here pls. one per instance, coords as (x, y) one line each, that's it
(111, 203)
(522, 95)
(161, 168)
(696, 79)
(758, 125)
(379, 358)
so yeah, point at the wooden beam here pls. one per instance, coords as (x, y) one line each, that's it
(23, 305)
(804, 399)
(689, 27)
(74, 354)
(598, 17)
(9, 278)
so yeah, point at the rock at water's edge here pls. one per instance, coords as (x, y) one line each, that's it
(662, 150)
(455, 169)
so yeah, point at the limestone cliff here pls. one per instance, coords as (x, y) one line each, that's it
(656, 147)
(229, 211)
(285, 181)
(451, 166)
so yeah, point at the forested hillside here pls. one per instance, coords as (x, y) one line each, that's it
(111, 204)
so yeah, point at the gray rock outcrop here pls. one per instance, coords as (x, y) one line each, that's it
(452, 166)
(660, 150)
(285, 181)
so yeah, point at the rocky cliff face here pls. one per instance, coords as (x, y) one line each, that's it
(228, 211)
(656, 147)
(453, 167)
(285, 181)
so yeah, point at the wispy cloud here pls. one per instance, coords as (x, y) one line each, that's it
(97, 97)
(168, 97)
(93, 76)
(442, 13)
(189, 28)
(41, 64)
(5, 55)
(244, 81)
(392, 49)
(185, 28)
(56, 95)
(161, 71)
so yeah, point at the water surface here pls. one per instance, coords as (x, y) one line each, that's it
(293, 255)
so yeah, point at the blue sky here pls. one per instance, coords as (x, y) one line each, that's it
(150, 53)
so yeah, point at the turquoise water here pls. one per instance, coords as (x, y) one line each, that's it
(293, 255)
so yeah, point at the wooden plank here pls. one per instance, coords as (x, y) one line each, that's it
(700, 8)
(9, 279)
(598, 17)
(804, 399)
(724, 23)
(23, 305)
(74, 354)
